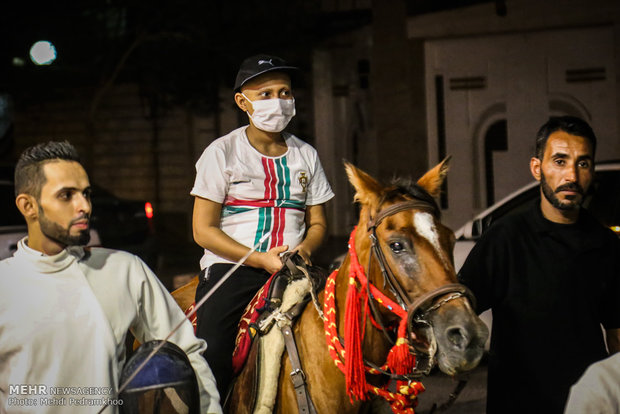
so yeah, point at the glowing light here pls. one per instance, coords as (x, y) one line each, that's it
(43, 53)
(615, 229)
(148, 209)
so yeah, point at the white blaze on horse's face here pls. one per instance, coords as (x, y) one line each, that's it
(425, 226)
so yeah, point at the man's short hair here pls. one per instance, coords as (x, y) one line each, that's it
(29, 176)
(569, 124)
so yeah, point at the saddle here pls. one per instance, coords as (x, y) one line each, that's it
(277, 304)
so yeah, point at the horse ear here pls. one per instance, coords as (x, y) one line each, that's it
(433, 179)
(367, 188)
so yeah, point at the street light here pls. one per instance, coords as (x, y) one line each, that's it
(43, 53)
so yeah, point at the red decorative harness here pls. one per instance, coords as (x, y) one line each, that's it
(349, 358)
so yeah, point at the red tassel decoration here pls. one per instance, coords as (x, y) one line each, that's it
(400, 360)
(354, 364)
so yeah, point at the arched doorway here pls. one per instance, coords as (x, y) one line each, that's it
(495, 139)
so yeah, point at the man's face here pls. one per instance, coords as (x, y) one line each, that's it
(270, 85)
(64, 203)
(566, 170)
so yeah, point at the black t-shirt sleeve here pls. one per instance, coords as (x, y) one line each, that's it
(480, 272)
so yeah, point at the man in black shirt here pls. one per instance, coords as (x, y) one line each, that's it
(551, 275)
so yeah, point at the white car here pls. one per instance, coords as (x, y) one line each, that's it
(603, 201)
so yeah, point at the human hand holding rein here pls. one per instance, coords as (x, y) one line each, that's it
(270, 260)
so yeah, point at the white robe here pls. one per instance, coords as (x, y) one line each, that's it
(63, 323)
(598, 389)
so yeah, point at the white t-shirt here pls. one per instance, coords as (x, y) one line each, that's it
(260, 194)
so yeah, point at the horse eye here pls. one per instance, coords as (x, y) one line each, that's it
(397, 247)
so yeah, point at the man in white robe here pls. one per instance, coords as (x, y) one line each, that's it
(65, 309)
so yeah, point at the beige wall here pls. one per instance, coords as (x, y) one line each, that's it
(380, 128)
(524, 59)
(342, 121)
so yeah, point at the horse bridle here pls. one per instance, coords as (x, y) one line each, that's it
(419, 310)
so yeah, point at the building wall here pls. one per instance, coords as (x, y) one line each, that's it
(537, 61)
(343, 122)
(398, 93)
(369, 107)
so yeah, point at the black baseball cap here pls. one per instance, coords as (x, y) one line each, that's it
(257, 65)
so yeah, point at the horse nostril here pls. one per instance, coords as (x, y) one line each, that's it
(458, 337)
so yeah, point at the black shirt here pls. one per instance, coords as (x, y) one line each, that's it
(550, 286)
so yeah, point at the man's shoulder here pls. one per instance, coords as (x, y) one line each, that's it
(106, 256)
(229, 141)
(234, 135)
(298, 143)
(117, 267)
(294, 139)
(594, 226)
(4, 264)
(517, 222)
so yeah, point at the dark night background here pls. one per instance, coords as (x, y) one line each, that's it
(178, 54)
(142, 87)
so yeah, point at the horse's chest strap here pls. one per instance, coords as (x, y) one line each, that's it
(304, 402)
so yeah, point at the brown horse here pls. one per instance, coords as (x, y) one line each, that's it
(405, 253)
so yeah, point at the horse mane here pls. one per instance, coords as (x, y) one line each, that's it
(408, 188)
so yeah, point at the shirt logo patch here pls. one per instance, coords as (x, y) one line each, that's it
(303, 180)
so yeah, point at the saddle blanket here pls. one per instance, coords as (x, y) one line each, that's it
(246, 330)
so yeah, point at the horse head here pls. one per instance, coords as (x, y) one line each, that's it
(406, 251)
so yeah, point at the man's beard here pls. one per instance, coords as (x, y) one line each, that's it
(62, 235)
(550, 194)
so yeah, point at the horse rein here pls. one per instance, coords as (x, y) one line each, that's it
(418, 310)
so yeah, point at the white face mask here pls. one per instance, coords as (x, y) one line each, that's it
(272, 115)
